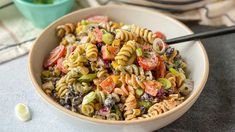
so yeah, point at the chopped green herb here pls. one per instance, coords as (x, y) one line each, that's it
(89, 98)
(139, 52)
(139, 91)
(144, 103)
(87, 77)
(107, 38)
(165, 82)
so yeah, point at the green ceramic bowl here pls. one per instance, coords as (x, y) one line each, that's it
(42, 15)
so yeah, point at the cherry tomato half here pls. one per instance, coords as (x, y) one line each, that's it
(60, 65)
(98, 34)
(148, 63)
(160, 35)
(161, 68)
(151, 87)
(55, 54)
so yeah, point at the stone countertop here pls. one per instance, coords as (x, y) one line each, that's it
(213, 111)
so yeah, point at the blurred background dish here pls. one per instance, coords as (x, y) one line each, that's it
(42, 13)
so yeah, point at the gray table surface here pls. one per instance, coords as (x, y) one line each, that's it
(214, 111)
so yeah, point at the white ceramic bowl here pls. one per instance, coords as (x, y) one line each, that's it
(193, 52)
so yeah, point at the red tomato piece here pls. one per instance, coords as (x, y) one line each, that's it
(151, 87)
(98, 34)
(60, 65)
(55, 54)
(148, 63)
(109, 52)
(162, 68)
(71, 48)
(160, 35)
(108, 84)
(98, 19)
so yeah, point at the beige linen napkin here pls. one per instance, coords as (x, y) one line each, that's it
(14, 29)
(16, 32)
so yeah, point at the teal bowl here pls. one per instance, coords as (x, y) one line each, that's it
(41, 15)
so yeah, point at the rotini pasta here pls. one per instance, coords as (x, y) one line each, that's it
(130, 104)
(110, 71)
(125, 53)
(61, 87)
(68, 39)
(138, 71)
(143, 33)
(166, 105)
(131, 80)
(110, 27)
(82, 88)
(67, 28)
(102, 72)
(91, 52)
(124, 35)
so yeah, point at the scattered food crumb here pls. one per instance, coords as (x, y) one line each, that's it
(22, 112)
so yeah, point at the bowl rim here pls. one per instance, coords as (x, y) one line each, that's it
(50, 101)
(41, 5)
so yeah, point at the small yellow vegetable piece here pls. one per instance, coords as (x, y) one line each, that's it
(136, 112)
(115, 79)
(116, 42)
(22, 112)
(114, 64)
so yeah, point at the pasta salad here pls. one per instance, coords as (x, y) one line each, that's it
(112, 71)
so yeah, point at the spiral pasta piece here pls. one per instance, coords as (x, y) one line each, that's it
(165, 105)
(102, 72)
(76, 58)
(68, 39)
(136, 70)
(125, 53)
(112, 116)
(131, 69)
(180, 79)
(67, 28)
(91, 52)
(48, 87)
(93, 65)
(87, 109)
(110, 27)
(172, 78)
(82, 88)
(132, 80)
(143, 33)
(130, 104)
(71, 76)
(124, 35)
(79, 28)
(61, 87)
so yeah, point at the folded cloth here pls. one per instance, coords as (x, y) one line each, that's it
(206, 12)
(14, 29)
(17, 33)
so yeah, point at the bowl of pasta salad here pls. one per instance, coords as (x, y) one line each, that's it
(108, 69)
